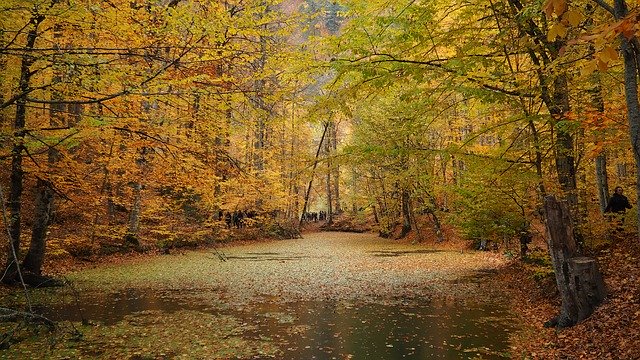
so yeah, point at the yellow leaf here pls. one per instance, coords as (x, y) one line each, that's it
(557, 30)
(610, 53)
(599, 41)
(589, 68)
(628, 29)
(602, 66)
(548, 8)
(573, 17)
(559, 6)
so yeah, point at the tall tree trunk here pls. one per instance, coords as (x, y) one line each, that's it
(375, 215)
(371, 192)
(329, 190)
(313, 170)
(538, 159)
(261, 126)
(564, 149)
(17, 174)
(597, 101)
(602, 182)
(336, 169)
(454, 170)
(45, 194)
(631, 54)
(387, 215)
(3, 64)
(431, 210)
(565, 152)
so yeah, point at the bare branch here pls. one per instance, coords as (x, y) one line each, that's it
(605, 6)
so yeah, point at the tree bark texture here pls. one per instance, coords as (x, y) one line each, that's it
(630, 54)
(437, 226)
(45, 193)
(406, 213)
(579, 282)
(134, 216)
(336, 169)
(44, 201)
(328, 176)
(260, 133)
(601, 181)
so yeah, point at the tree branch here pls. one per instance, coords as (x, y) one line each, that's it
(439, 65)
(605, 6)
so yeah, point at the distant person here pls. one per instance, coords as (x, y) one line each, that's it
(618, 205)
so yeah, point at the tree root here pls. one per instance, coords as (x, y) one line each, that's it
(11, 315)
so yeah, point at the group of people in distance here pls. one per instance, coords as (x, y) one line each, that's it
(314, 216)
(236, 219)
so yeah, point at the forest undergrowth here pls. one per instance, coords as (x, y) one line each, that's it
(611, 332)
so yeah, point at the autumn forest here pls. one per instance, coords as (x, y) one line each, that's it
(135, 129)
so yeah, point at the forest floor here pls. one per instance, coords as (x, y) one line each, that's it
(611, 332)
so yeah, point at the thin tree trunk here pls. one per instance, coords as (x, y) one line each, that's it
(375, 215)
(597, 101)
(565, 159)
(406, 212)
(601, 160)
(454, 170)
(602, 182)
(134, 216)
(565, 153)
(327, 149)
(315, 165)
(630, 54)
(437, 225)
(261, 126)
(336, 169)
(375, 208)
(3, 64)
(539, 158)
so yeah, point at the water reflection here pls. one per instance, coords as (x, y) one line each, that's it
(334, 330)
(402, 331)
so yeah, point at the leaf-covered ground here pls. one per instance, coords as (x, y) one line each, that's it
(218, 309)
(611, 332)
